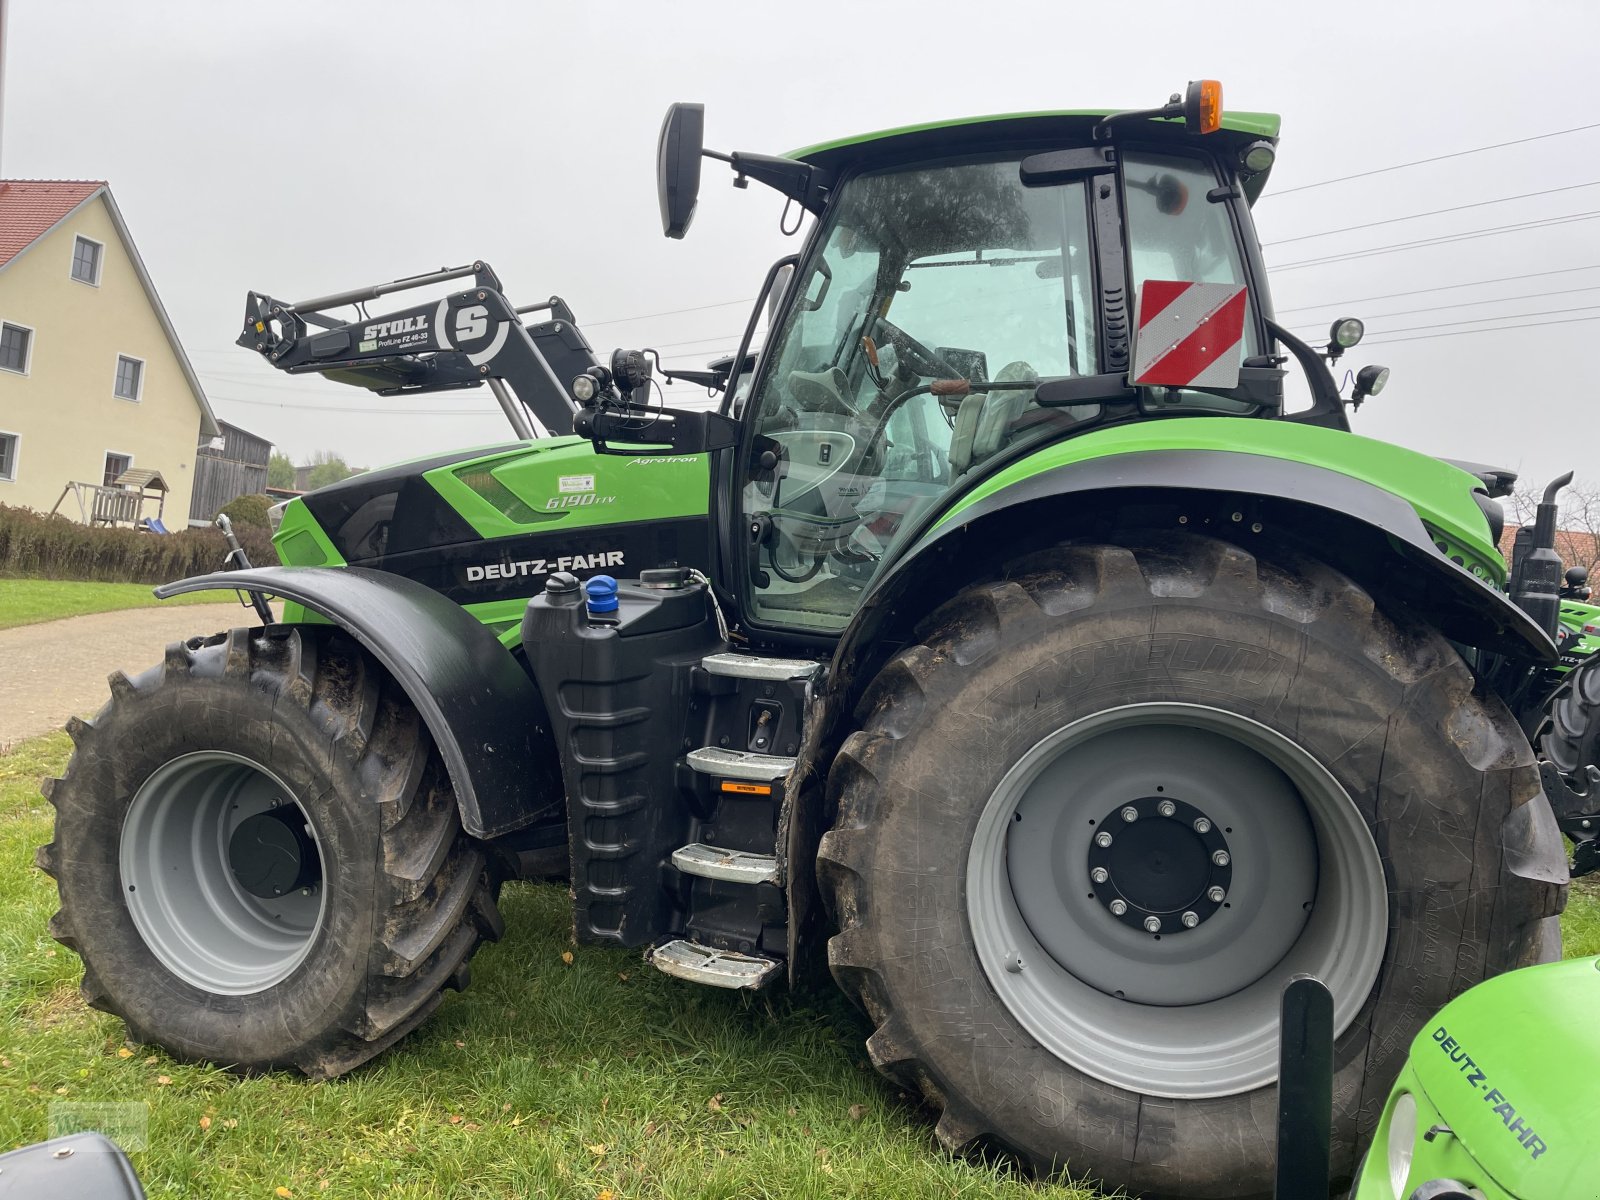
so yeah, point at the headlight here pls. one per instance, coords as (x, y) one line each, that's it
(1402, 1141)
(275, 514)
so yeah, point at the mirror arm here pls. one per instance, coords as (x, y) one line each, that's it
(808, 186)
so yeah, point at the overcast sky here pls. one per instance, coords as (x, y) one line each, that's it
(302, 148)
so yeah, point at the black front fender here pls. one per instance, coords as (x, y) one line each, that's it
(483, 711)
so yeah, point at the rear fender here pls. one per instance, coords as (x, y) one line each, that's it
(484, 713)
(1367, 531)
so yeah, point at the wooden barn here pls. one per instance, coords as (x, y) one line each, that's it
(225, 468)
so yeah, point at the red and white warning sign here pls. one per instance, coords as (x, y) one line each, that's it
(1188, 334)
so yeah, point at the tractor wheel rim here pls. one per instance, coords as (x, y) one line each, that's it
(1189, 1008)
(189, 857)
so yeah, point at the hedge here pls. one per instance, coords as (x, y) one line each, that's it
(248, 511)
(36, 546)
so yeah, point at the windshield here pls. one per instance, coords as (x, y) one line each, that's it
(936, 298)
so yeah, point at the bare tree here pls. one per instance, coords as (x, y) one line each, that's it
(1577, 522)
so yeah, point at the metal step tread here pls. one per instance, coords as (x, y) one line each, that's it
(714, 968)
(754, 666)
(737, 866)
(739, 764)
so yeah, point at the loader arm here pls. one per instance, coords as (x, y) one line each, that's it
(464, 340)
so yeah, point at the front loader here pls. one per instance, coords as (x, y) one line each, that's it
(1004, 638)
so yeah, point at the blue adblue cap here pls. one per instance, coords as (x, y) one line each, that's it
(600, 592)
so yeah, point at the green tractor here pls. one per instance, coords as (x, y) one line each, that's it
(1481, 1110)
(1001, 636)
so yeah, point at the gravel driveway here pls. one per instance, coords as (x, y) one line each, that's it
(52, 670)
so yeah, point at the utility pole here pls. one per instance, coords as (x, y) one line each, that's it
(5, 44)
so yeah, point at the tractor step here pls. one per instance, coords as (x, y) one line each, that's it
(753, 666)
(739, 764)
(735, 866)
(714, 968)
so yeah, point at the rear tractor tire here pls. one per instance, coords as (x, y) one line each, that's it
(1105, 809)
(259, 856)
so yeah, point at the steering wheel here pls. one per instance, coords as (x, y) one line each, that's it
(916, 355)
(822, 392)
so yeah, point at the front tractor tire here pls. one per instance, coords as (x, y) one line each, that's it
(259, 856)
(1104, 810)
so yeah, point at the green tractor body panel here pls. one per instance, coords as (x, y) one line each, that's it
(1495, 1068)
(1440, 493)
(487, 529)
(1580, 632)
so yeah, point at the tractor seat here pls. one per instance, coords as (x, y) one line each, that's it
(983, 422)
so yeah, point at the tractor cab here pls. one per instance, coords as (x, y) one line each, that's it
(971, 293)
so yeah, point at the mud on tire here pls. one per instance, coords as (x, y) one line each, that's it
(1442, 777)
(403, 900)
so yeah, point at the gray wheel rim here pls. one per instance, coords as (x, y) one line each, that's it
(1198, 1011)
(180, 888)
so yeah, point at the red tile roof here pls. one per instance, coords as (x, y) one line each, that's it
(29, 207)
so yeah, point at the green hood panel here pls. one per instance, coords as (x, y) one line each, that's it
(1506, 1066)
(561, 483)
(1440, 494)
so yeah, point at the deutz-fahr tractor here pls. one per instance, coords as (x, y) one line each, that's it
(1004, 636)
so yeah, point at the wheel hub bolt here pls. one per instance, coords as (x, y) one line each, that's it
(1202, 825)
(1099, 874)
(1152, 924)
(1130, 814)
(1220, 858)
(1102, 839)
(1215, 894)
(1190, 920)
(1118, 907)
(1166, 808)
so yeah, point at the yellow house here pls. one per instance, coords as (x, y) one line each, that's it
(93, 380)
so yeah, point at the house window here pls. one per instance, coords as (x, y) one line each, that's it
(8, 457)
(15, 343)
(116, 464)
(130, 377)
(86, 261)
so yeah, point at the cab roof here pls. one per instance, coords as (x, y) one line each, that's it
(966, 133)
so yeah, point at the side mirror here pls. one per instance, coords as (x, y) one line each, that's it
(678, 166)
(80, 1166)
(1577, 576)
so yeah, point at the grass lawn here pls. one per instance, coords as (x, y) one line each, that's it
(592, 1078)
(27, 601)
(546, 1078)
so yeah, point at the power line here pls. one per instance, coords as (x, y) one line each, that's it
(1305, 237)
(1428, 337)
(671, 312)
(1411, 312)
(1547, 312)
(1443, 240)
(1443, 287)
(1417, 162)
